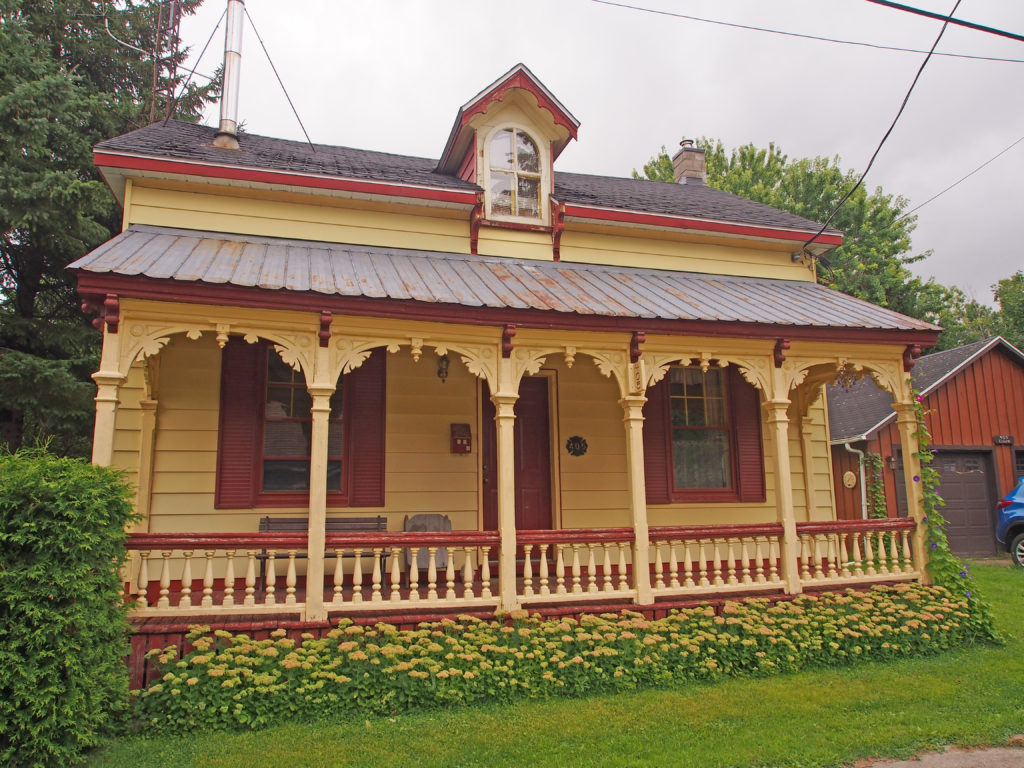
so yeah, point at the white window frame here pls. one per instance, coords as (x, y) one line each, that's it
(544, 162)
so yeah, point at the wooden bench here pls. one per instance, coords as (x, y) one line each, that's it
(333, 525)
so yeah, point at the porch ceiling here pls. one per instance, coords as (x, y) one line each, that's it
(437, 278)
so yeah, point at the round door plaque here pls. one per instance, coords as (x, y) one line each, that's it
(576, 445)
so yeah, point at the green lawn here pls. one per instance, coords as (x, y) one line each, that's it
(820, 718)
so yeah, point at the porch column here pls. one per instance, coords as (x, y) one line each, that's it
(632, 407)
(108, 381)
(321, 412)
(504, 421)
(906, 419)
(778, 426)
(146, 449)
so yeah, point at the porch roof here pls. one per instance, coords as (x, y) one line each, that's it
(439, 278)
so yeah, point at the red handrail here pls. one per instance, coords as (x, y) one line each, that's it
(740, 531)
(387, 540)
(165, 541)
(575, 536)
(858, 526)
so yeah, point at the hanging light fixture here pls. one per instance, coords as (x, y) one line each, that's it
(442, 367)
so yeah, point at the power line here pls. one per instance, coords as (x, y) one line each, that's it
(802, 36)
(279, 81)
(958, 22)
(878, 149)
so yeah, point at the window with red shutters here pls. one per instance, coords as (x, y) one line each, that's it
(702, 438)
(265, 428)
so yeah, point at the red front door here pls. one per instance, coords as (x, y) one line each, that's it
(532, 457)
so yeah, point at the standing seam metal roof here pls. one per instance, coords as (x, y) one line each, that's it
(459, 279)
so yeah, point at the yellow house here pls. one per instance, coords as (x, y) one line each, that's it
(348, 382)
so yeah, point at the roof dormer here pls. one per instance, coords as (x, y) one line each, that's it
(506, 139)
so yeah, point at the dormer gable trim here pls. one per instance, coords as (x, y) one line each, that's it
(519, 77)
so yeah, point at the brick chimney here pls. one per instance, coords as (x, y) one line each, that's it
(689, 164)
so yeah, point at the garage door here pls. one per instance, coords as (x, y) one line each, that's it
(966, 487)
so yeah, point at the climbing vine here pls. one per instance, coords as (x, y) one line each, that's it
(946, 569)
(872, 463)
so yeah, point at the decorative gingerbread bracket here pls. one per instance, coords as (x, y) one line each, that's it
(108, 311)
(910, 354)
(634, 345)
(778, 354)
(325, 328)
(476, 218)
(507, 335)
(557, 227)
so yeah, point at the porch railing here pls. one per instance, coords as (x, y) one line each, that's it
(852, 551)
(573, 564)
(720, 558)
(214, 573)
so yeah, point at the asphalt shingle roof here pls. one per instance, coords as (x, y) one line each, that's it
(190, 141)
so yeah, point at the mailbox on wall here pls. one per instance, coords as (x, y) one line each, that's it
(462, 439)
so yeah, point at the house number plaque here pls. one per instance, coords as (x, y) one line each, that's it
(1002, 439)
(576, 445)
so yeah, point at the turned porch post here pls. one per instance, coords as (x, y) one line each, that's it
(778, 426)
(108, 381)
(504, 421)
(320, 389)
(906, 419)
(632, 407)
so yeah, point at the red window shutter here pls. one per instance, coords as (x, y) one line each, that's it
(746, 415)
(365, 403)
(657, 451)
(241, 400)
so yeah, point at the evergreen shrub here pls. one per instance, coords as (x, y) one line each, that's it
(63, 627)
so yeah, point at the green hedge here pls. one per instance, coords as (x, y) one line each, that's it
(63, 631)
(230, 681)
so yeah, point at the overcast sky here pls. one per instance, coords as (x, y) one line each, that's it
(390, 75)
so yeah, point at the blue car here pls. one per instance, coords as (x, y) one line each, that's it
(1010, 523)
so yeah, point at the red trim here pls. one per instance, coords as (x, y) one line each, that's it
(519, 80)
(851, 526)
(571, 535)
(476, 218)
(671, 532)
(682, 222)
(90, 283)
(209, 170)
(197, 541)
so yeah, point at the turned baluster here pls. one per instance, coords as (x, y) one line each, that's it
(141, 601)
(745, 562)
(186, 580)
(758, 562)
(290, 578)
(702, 564)
(208, 579)
(229, 579)
(730, 562)
(606, 566)
(717, 562)
(377, 577)
(485, 572)
(468, 591)
(908, 565)
(659, 567)
(357, 576)
(858, 561)
(819, 572)
(559, 570)
(591, 570)
(339, 578)
(250, 578)
(432, 573)
(687, 566)
(270, 598)
(527, 570)
(805, 560)
(883, 564)
(773, 568)
(414, 573)
(894, 554)
(673, 565)
(869, 555)
(576, 588)
(543, 577)
(449, 577)
(623, 583)
(396, 574)
(830, 553)
(164, 600)
(844, 555)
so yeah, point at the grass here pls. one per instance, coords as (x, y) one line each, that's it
(818, 718)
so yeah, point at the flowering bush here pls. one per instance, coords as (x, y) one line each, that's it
(232, 681)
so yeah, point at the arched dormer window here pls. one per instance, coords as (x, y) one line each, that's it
(515, 174)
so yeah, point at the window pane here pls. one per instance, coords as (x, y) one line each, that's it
(335, 439)
(701, 459)
(715, 412)
(501, 193)
(528, 197)
(678, 412)
(695, 412)
(501, 150)
(286, 475)
(713, 383)
(694, 382)
(333, 475)
(338, 402)
(286, 438)
(526, 153)
(279, 402)
(277, 369)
